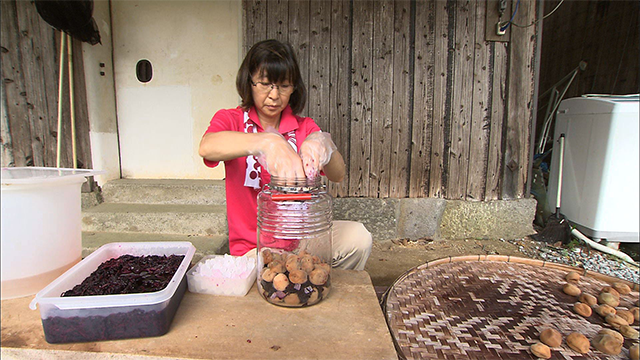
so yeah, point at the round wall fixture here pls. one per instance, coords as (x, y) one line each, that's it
(144, 71)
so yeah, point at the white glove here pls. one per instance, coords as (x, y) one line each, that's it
(316, 152)
(278, 157)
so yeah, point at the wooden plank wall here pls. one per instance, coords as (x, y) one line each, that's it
(604, 34)
(417, 101)
(30, 67)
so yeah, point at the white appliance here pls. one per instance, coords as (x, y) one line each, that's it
(600, 166)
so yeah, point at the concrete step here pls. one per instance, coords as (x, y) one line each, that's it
(198, 220)
(205, 245)
(164, 192)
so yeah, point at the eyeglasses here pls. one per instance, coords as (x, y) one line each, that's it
(265, 88)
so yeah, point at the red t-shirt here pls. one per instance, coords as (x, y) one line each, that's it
(242, 201)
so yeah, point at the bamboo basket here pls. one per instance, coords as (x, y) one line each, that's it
(492, 307)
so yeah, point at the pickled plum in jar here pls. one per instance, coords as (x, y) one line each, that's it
(291, 285)
(294, 242)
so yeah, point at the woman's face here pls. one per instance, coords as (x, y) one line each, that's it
(270, 101)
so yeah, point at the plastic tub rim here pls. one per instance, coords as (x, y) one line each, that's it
(68, 175)
(122, 300)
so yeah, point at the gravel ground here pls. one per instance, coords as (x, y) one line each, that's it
(582, 257)
(391, 258)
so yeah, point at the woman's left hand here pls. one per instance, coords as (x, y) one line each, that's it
(316, 152)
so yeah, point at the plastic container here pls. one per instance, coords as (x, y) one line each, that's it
(41, 226)
(294, 242)
(600, 185)
(101, 317)
(221, 285)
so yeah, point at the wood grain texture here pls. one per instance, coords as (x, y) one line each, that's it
(519, 107)
(30, 73)
(32, 70)
(423, 95)
(7, 151)
(382, 104)
(299, 38)
(461, 108)
(480, 113)
(361, 95)
(18, 143)
(278, 20)
(432, 109)
(402, 100)
(440, 116)
(49, 51)
(339, 84)
(498, 64)
(255, 23)
(319, 62)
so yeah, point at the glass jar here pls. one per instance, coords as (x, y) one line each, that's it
(294, 242)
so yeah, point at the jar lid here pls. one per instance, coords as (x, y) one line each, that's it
(296, 185)
(294, 189)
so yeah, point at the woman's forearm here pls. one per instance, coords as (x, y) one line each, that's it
(227, 145)
(272, 150)
(335, 169)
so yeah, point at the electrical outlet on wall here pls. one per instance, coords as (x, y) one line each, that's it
(498, 13)
(500, 30)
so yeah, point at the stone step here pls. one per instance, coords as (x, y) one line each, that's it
(205, 245)
(164, 192)
(198, 220)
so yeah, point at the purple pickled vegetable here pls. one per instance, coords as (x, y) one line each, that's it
(129, 274)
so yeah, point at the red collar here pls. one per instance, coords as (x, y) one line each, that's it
(288, 121)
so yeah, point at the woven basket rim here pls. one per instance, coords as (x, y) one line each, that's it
(497, 259)
(517, 260)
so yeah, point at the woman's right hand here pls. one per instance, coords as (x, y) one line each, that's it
(277, 156)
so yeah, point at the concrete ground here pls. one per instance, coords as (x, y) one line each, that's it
(390, 259)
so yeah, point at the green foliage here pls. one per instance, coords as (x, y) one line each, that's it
(574, 243)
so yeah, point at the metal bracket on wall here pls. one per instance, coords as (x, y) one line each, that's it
(498, 11)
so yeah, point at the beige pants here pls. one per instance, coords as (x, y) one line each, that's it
(350, 243)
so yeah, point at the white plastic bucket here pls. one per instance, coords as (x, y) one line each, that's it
(41, 226)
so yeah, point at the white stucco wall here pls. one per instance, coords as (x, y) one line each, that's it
(194, 48)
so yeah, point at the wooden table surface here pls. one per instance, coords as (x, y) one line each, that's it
(348, 324)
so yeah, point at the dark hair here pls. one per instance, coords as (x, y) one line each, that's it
(277, 62)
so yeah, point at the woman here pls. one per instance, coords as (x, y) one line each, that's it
(264, 136)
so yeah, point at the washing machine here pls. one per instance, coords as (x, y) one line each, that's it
(599, 187)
